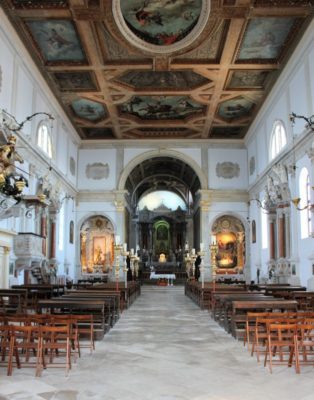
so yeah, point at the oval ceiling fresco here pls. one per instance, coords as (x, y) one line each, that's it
(161, 25)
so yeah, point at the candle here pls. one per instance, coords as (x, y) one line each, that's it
(202, 246)
(214, 240)
(193, 251)
(117, 239)
(125, 247)
(132, 252)
(186, 246)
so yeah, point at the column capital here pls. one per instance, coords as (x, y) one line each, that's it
(120, 199)
(310, 154)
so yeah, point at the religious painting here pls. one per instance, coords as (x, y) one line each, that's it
(81, 81)
(162, 107)
(227, 250)
(89, 110)
(235, 108)
(230, 237)
(98, 133)
(227, 132)
(161, 22)
(265, 38)
(96, 242)
(57, 41)
(99, 250)
(168, 80)
(247, 79)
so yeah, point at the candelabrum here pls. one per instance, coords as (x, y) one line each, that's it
(117, 253)
(213, 262)
(134, 265)
(125, 254)
(201, 254)
(190, 263)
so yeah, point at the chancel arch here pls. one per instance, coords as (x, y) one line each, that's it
(162, 231)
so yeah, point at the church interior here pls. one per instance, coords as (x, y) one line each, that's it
(156, 199)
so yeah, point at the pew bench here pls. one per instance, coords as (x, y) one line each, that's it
(241, 307)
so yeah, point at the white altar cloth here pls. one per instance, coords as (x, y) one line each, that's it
(153, 275)
(170, 277)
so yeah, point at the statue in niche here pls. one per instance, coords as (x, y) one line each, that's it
(98, 258)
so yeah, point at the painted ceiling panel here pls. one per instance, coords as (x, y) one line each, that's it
(163, 69)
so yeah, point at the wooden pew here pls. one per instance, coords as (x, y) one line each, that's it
(266, 304)
(13, 300)
(111, 301)
(76, 306)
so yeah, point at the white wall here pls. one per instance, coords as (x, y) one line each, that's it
(23, 92)
(293, 92)
(236, 156)
(88, 158)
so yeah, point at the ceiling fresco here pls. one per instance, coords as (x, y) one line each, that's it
(162, 69)
(164, 80)
(161, 107)
(89, 110)
(161, 22)
(264, 38)
(57, 41)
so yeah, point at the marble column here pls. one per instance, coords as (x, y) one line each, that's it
(272, 236)
(52, 241)
(4, 263)
(281, 234)
(120, 205)
(43, 232)
(204, 203)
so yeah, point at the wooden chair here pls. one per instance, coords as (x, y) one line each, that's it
(304, 344)
(85, 324)
(55, 343)
(4, 342)
(24, 340)
(280, 345)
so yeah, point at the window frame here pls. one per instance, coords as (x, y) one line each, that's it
(278, 139)
(44, 139)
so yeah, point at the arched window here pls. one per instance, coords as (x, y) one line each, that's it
(44, 139)
(278, 139)
(305, 195)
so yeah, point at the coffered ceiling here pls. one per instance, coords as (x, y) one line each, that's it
(159, 69)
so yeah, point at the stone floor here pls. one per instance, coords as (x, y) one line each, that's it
(163, 348)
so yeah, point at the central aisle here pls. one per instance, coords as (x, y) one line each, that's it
(163, 348)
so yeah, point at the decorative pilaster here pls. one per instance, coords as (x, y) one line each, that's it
(272, 244)
(281, 235)
(204, 205)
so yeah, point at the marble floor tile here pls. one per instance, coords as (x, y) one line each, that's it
(163, 348)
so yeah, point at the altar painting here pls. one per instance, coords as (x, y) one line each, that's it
(230, 236)
(227, 250)
(97, 245)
